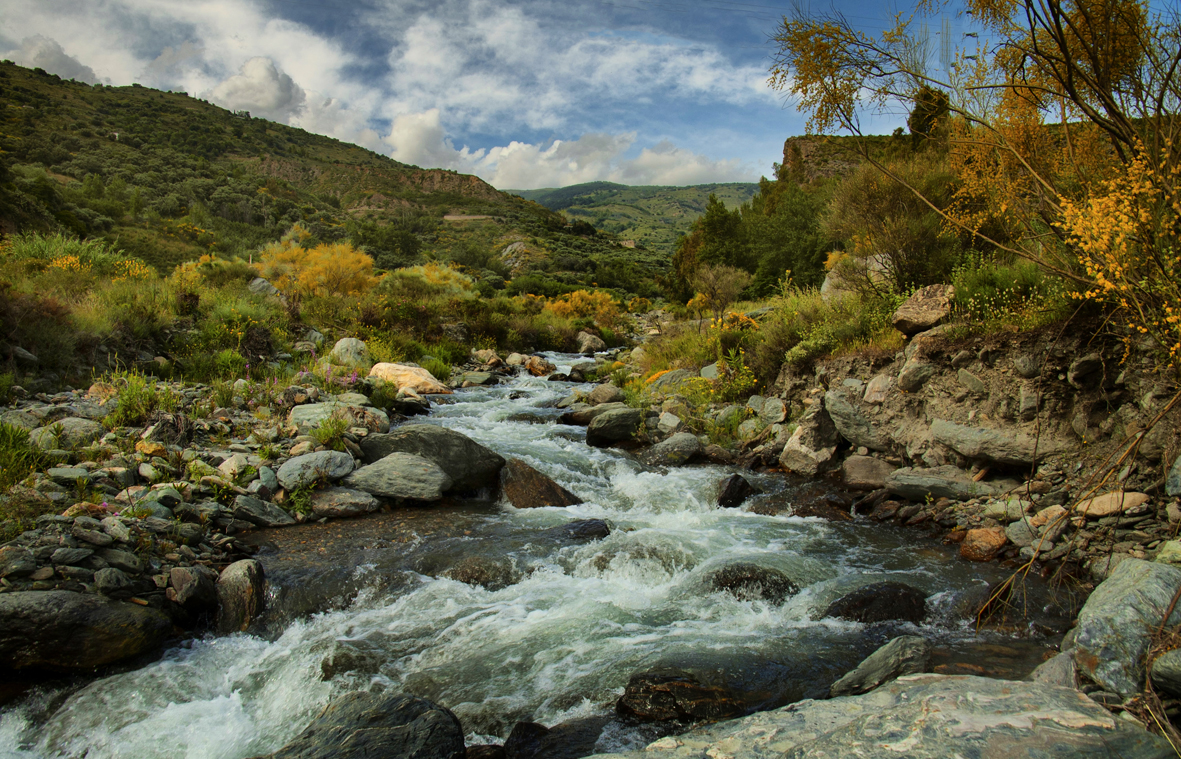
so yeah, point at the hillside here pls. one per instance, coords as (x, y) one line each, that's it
(168, 177)
(653, 216)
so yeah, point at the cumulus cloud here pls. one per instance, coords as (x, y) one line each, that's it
(172, 60)
(39, 51)
(420, 139)
(261, 88)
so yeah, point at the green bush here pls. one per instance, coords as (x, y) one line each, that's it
(437, 367)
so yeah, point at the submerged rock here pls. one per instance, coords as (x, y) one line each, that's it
(59, 629)
(362, 725)
(881, 602)
(747, 582)
(905, 655)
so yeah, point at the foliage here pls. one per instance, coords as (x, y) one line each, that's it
(597, 305)
(331, 431)
(1093, 197)
(328, 269)
(137, 398)
(992, 295)
(719, 286)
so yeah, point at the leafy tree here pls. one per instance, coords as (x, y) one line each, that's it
(928, 115)
(720, 286)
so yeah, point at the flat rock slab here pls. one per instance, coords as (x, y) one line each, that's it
(945, 481)
(1012, 449)
(1114, 626)
(923, 717)
(409, 378)
(925, 309)
(62, 630)
(342, 502)
(310, 416)
(1110, 504)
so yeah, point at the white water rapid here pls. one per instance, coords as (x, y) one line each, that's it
(558, 644)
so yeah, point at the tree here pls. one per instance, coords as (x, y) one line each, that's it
(720, 285)
(1062, 132)
(928, 115)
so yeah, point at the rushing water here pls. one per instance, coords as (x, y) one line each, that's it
(558, 644)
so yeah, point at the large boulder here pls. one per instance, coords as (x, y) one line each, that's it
(605, 393)
(349, 351)
(309, 416)
(852, 422)
(1116, 624)
(905, 655)
(527, 488)
(469, 465)
(880, 602)
(925, 309)
(925, 716)
(615, 426)
(363, 725)
(401, 476)
(1013, 449)
(241, 596)
(62, 630)
(583, 414)
(409, 378)
(678, 449)
(538, 366)
(311, 468)
(811, 447)
(69, 433)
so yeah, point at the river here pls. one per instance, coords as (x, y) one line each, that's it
(364, 604)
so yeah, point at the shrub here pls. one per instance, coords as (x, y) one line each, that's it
(441, 370)
(329, 269)
(138, 397)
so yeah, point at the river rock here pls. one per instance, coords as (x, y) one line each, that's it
(583, 414)
(362, 725)
(914, 374)
(615, 426)
(527, 488)
(925, 716)
(812, 445)
(469, 465)
(1058, 670)
(905, 655)
(538, 366)
(589, 344)
(945, 481)
(311, 468)
(409, 378)
(401, 476)
(1166, 673)
(349, 351)
(1013, 449)
(747, 582)
(1109, 504)
(193, 587)
(75, 433)
(605, 393)
(880, 602)
(865, 472)
(925, 309)
(733, 491)
(260, 513)
(852, 422)
(677, 450)
(16, 561)
(62, 630)
(667, 381)
(310, 416)
(1117, 622)
(488, 573)
(241, 595)
(113, 582)
(568, 740)
(667, 694)
(983, 543)
(342, 502)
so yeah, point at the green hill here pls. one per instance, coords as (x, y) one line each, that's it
(168, 178)
(653, 216)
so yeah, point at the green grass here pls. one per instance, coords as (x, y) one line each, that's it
(138, 397)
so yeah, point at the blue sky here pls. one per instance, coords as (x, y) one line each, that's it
(525, 94)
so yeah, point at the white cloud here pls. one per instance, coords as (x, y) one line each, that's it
(261, 88)
(421, 139)
(41, 52)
